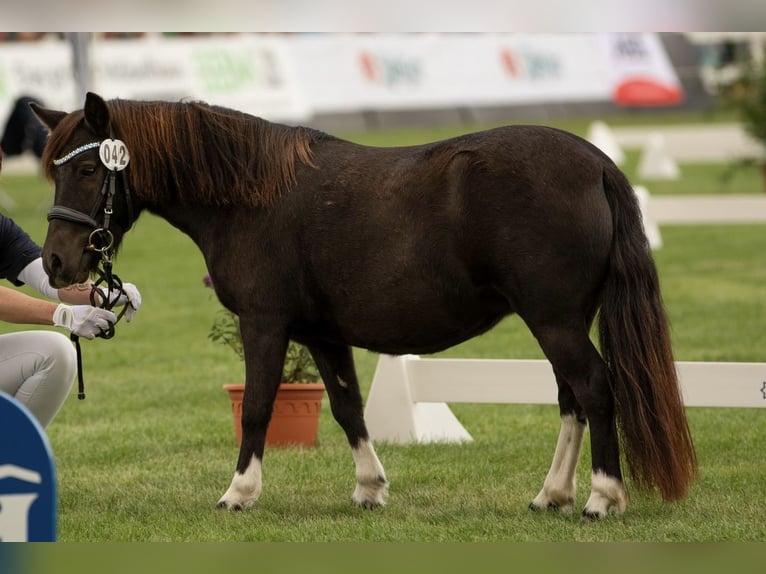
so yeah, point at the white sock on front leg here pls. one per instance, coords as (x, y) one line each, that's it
(245, 488)
(371, 484)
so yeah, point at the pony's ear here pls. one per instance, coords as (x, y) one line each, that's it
(49, 118)
(96, 114)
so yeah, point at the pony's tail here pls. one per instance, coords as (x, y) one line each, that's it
(635, 343)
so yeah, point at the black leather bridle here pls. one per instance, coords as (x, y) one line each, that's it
(101, 240)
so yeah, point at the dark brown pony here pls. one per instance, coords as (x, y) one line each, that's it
(397, 250)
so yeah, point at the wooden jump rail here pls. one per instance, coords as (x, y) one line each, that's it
(408, 398)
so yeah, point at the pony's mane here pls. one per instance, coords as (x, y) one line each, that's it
(200, 153)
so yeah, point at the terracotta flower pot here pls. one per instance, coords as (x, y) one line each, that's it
(295, 418)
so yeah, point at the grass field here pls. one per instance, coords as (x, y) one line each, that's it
(149, 452)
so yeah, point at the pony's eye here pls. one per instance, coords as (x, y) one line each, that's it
(87, 170)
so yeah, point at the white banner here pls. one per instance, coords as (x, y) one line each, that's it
(41, 70)
(290, 77)
(249, 73)
(368, 71)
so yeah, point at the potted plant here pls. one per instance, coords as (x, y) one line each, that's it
(747, 95)
(295, 417)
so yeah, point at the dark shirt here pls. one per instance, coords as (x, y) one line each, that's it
(17, 250)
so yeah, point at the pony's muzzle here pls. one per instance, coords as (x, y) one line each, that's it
(59, 274)
(54, 267)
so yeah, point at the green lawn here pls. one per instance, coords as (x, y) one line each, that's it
(149, 452)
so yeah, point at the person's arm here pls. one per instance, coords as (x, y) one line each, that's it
(79, 294)
(34, 275)
(83, 320)
(17, 307)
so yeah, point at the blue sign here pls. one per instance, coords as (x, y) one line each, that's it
(27, 477)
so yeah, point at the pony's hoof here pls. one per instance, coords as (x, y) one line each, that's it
(371, 504)
(534, 507)
(223, 505)
(371, 493)
(591, 516)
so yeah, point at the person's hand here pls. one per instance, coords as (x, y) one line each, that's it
(129, 296)
(83, 320)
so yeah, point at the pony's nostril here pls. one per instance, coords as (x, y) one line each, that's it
(54, 265)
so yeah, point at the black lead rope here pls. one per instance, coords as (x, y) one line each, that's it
(109, 299)
(80, 382)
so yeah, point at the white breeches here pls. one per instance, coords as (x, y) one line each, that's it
(37, 368)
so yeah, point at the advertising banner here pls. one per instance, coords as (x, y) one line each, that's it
(42, 70)
(293, 76)
(245, 72)
(640, 72)
(368, 71)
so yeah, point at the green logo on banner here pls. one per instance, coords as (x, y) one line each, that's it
(225, 70)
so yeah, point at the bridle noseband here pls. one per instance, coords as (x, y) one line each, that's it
(114, 155)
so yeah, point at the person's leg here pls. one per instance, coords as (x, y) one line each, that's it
(37, 368)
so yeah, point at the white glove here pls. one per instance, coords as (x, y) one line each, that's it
(130, 297)
(34, 275)
(83, 320)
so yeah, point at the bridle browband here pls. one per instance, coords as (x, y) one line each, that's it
(75, 152)
(101, 241)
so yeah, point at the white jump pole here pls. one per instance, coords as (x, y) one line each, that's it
(408, 398)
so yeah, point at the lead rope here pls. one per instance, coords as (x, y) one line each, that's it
(109, 299)
(80, 382)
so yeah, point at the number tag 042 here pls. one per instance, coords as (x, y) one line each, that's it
(114, 154)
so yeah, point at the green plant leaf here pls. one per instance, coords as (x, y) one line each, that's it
(299, 366)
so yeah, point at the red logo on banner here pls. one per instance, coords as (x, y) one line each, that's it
(531, 64)
(369, 67)
(643, 91)
(510, 63)
(390, 71)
